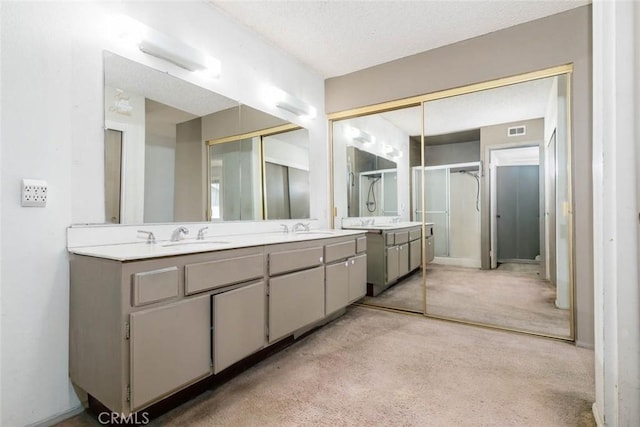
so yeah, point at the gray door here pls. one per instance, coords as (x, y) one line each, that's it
(518, 213)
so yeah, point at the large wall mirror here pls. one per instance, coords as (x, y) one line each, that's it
(159, 166)
(489, 172)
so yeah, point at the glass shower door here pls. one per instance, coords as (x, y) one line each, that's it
(437, 207)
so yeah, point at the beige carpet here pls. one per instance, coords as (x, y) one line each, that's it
(375, 368)
(511, 296)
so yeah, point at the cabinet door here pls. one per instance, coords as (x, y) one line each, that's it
(337, 286)
(403, 259)
(169, 349)
(357, 277)
(430, 249)
(415, 254)
(295, 300)
(392, 264)
(239, 324)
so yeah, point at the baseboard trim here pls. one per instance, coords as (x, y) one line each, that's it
(51, 421)
(596, 415)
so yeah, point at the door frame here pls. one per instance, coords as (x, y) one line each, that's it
(492, 196)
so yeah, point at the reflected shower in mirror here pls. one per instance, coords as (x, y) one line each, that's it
(497, 191)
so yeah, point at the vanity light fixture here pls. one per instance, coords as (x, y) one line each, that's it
(161, 46)
(360, 136)
(290, 103)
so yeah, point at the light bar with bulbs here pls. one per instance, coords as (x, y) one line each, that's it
(360, 135)
(161, 46)
(290, 103)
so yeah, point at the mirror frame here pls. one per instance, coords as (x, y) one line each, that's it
(420, 100)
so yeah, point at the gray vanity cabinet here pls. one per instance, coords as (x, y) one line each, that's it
(169, 349)
(346, 282)
(392, 257)
(295, 300)
(403, 259)
(415, 254)
(239, 324)
(141, 330)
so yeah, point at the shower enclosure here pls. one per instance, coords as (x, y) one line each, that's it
(452, 204)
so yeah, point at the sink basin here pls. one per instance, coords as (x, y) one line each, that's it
(194, 242)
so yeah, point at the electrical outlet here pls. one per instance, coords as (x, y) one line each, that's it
(34, 193)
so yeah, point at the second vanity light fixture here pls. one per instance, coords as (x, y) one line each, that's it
(360, 136)
(290, 103)
(162, 46)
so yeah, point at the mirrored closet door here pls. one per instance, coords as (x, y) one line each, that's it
(497, 194)
(373, 159)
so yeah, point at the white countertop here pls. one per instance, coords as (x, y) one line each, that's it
(141, 250)
(386, 227)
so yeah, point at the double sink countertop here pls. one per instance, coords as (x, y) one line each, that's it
(142, 250)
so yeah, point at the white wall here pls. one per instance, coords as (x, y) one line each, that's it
(52, 128)
(616, 142)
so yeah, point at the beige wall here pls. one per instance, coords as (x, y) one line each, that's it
(189, 193)
(555, 40)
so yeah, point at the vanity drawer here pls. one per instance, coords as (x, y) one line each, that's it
(153, 286)
(415, 234)
(401, 237)
(389, 239)
(214, 274)
(283, 262)
(361, 245)
(339, 251)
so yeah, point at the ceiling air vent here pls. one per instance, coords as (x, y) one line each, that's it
(516, 131)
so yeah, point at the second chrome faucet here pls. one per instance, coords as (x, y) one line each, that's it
(178, 233)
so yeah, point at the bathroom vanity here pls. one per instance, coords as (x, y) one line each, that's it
(147, 320)
(394, 251)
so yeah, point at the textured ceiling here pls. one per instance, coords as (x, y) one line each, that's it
(340, 37)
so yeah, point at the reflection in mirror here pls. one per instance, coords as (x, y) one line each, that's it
(235, 180)
(497, 190)
(373, 156)
(273, 162)
(286, 174)
(155, 153)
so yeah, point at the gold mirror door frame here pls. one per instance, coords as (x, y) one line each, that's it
(563, 70)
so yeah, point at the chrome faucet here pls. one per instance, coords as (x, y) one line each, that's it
(201, 233)
(285, 228)
(151, 238)
(178, 232)
(300, 225)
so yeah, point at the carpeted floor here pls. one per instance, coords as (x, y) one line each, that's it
(511, 296)
(375, 368)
